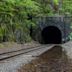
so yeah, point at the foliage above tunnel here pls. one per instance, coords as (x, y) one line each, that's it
(67, 7)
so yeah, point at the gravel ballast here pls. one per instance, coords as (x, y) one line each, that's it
(57, 59)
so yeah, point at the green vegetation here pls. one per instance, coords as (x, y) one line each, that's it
(15, 16)
(14, 23)
(67, 7)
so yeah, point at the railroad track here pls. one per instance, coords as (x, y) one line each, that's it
(11, 54)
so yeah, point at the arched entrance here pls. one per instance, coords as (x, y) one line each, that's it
(51, 35)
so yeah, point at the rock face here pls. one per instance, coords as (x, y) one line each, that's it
(51, 29)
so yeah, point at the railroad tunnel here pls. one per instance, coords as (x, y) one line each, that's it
(51, 35)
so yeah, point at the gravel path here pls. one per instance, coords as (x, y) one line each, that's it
(11, 46)
(57, 59)
(11, 65)
(53, 60)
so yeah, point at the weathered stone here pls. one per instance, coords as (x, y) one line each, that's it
(61, 22)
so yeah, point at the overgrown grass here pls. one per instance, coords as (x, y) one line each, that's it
(14, 23)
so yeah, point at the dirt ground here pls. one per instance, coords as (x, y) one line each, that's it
(13, 46)
(17, 45)
(54, 60)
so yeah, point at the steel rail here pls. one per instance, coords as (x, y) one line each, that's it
(8, 55)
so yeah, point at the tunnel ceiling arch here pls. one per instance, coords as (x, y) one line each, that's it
(51, 35)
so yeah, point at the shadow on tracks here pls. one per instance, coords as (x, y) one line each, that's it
(54, 53)
(53, 60)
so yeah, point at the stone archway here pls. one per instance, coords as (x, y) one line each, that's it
(51, 35)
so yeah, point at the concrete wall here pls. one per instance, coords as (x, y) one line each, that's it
(61, 22)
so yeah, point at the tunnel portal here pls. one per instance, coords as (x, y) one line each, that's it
(51, 35)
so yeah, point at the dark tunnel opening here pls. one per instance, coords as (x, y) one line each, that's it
(51, 35)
